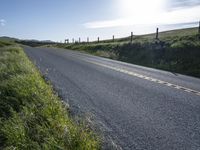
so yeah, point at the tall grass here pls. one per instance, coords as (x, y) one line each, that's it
(31, 115)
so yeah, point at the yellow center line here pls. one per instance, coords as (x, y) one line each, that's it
(185, 89)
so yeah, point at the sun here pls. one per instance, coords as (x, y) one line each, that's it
(140, 11)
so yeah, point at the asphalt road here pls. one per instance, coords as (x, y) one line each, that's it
(135, 107)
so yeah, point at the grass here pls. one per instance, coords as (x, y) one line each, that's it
(31, 115)
(176, 51)
(5, 43)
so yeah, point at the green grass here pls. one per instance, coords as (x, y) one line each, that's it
(4, 43)
(31, 115)
(176, 51)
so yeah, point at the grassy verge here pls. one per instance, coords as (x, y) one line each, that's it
(177, 51)
(31, 115)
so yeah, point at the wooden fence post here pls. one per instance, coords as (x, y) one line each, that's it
(79, 40)
(113, 38)
(88, 40)
(157, 32)
(98, 39)
(131, 37)
(199, 31)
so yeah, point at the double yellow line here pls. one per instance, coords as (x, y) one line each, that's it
(185, 89)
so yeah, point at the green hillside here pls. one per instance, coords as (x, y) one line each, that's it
(176, 51)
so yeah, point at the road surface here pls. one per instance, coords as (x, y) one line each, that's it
(135, 107)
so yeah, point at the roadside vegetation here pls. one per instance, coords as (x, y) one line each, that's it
(31, 115)
(177, 51)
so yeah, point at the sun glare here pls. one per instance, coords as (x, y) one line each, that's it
(141, 11)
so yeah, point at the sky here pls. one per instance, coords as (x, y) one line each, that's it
(67, 19)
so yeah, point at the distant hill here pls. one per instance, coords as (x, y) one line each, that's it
(30, 42)
(42, 41)
(5, 38)
(35, 43)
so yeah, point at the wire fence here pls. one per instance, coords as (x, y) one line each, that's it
(128, 38)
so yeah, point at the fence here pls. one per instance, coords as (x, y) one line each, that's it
(113, 37)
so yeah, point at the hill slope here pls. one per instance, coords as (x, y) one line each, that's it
(177, 51)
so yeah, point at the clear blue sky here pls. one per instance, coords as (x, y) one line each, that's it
(57, 20)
